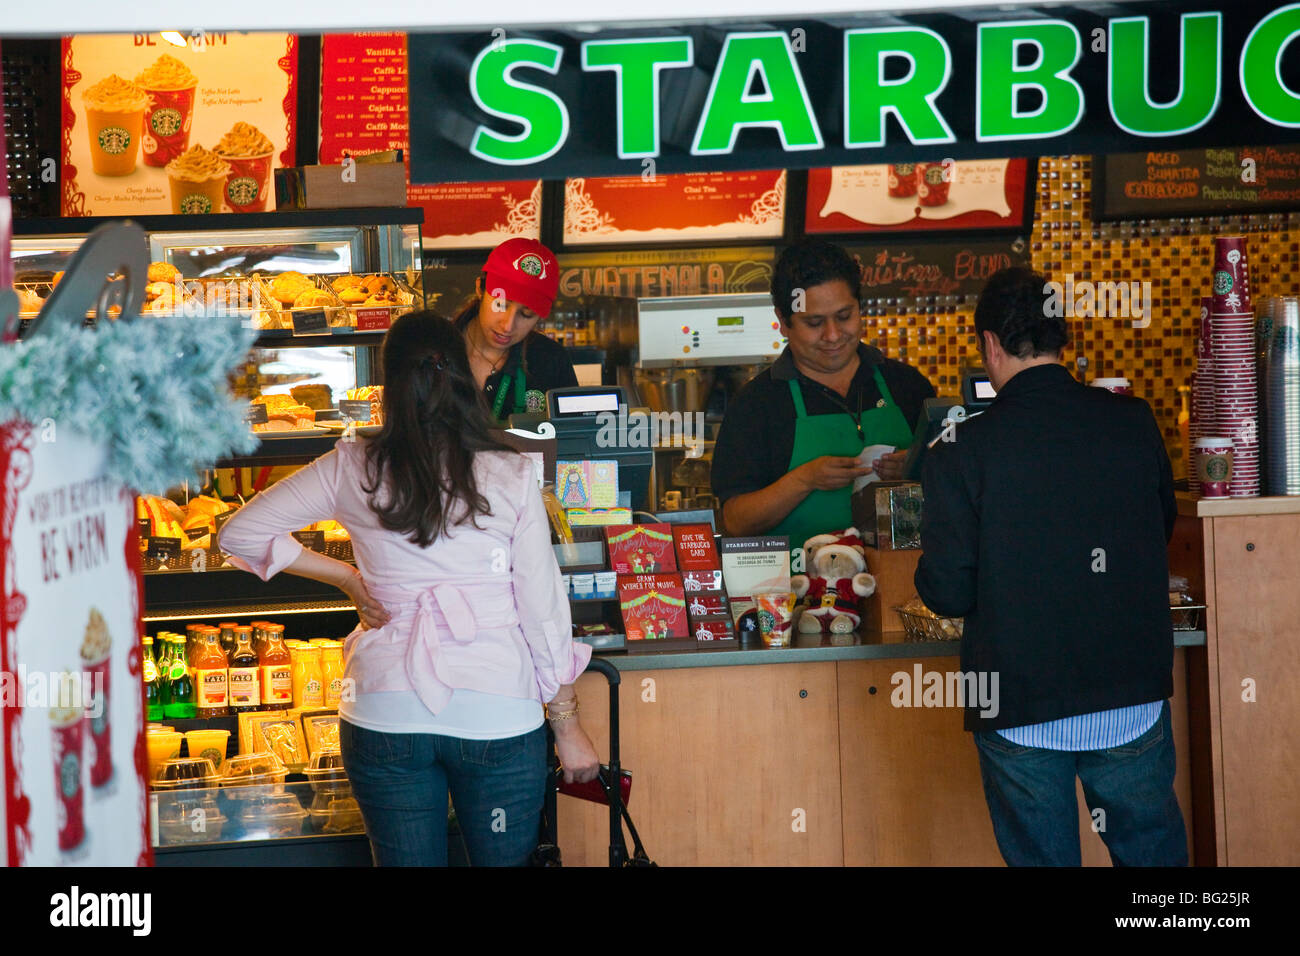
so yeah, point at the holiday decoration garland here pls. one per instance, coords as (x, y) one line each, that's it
(153, 390)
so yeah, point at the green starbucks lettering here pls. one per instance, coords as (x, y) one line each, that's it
(730, 104)
(869, 97)
(1261, 67)
(1131, 105)
(998, 80)
(636, 64)
(542, 114)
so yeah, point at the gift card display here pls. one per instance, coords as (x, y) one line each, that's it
(756, 565)
(641, 549)
(587, 484)
(695, 548)
(653, 606)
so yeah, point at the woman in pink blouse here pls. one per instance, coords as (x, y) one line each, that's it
(465, 630)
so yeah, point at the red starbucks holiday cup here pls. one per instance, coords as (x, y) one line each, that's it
(1231, 275)
(1212, 458)
(249, 182)
(932, 182)
(1120, 386)
(167, 121)
(902, 179)
(67, 725)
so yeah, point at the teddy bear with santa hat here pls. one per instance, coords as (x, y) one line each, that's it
(837, 580)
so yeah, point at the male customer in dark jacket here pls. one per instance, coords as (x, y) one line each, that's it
(1045, 526)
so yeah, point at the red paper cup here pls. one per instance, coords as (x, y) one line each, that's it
(249, 183)
(101, 770)
(902, 179)
(1231, 274)
(67, 777)
(932, 183)
(167, 121)
(1120, 386)
(1212, 458)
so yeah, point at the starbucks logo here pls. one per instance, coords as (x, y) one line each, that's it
(766, 621)
(70, 775)
(905, 169)
(214, 755)
(532, 265)
(166, 122)
(1222, 283)
(242, 191)
(1216, 469)
(114, 140)
(195, 203)
(934, 175)
(534, 400)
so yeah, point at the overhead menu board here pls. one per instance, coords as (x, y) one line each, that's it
(364, 110)
(1196, 182)
(673, 208)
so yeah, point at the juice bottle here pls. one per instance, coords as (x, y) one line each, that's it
(228, 637)
(212, 676)
(312, 681)
(193, 641)
(277, 670)
(245, 672)
(181, 688)
(259, 635)
(332, 671)
(153, 708)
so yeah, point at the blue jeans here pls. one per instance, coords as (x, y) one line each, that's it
(1031, 797)
(401, 782)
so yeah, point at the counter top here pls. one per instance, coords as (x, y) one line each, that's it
(872, 646)
(1234, 507)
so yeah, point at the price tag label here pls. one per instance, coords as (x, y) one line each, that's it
(193, 534)
(314, 540)
(310, 322)
(163, 548)
(221, 519)
(256, 415)
(355, 410)
(373, 320)
(143, 527)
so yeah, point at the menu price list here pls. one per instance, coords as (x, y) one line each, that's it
(1187, 182)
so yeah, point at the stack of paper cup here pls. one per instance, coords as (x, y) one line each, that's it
(1282, 396)
(1202, 420)
(1232, 348)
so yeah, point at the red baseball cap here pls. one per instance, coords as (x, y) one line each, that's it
(524, 271)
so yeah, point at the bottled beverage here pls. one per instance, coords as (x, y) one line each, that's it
(228, 637)
(259, 635)
(332, 671)
(277, 670)
(245, 694)
(153, 708)
(182, 690)
(163, 661)
(212, 676)
(308, 679)
(193, 641)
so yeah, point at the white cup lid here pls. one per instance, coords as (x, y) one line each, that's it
(1212, 442)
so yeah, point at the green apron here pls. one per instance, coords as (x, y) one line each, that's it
(518, 387)
(836, 434)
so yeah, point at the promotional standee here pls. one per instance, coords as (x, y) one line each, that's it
(72, 748)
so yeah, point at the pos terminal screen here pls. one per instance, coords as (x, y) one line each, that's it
(586, 403)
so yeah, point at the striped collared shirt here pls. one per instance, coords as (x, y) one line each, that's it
(1100, 730)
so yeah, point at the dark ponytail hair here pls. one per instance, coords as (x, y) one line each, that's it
(435, 421)
(1016, 307)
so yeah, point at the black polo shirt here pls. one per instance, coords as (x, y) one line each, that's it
(757, 435)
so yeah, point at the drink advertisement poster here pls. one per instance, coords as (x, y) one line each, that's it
(940, 196)
(72, 747)
(363, 109)
(674, 207)
(152, 127)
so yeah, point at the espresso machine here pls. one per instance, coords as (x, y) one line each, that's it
(694, 354)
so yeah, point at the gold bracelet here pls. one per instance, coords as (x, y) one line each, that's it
(566, 715)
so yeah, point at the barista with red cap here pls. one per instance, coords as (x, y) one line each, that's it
(514, 364)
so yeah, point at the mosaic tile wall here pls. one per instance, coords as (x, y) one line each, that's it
(1174, 255)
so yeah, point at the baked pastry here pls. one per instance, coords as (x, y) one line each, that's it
(381, 299)
(287, 286)
(57, 276)
(311, 298)
(313, 396)
(346, 282)
(377, 283)
(162, 272)
(353, 296)
(29, 303)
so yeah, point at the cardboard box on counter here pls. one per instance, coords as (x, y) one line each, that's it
(325, 187)
(893, 571)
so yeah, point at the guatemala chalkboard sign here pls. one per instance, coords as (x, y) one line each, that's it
(1196, 182)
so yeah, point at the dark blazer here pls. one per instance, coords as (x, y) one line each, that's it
(1045, 525)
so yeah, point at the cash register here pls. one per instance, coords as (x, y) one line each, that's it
(591, 423)
(940, 417)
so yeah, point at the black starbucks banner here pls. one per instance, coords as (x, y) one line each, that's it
(801, 93)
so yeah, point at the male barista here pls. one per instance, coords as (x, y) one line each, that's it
(789, 448)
